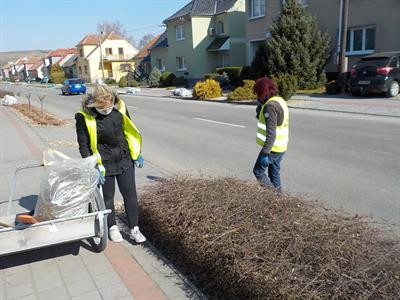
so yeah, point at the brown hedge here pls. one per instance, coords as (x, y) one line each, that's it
(236, 240)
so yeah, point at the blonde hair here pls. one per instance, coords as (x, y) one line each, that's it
(101, 95)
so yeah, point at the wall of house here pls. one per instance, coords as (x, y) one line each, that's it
(160, 53)
(129, 50)
(116, 69)
(237, 33)
(383, 14)
(179, 48)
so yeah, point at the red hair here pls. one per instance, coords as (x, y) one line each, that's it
(265, 88)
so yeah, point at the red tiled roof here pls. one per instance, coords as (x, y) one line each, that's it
(145, 51)
(33, 60)
(37, 65)
(62, 52)
(21, 61)
(93, 39)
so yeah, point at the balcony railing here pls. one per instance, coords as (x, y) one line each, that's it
(112, 57)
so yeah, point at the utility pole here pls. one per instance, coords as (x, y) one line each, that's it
(101, 55)
(343, 35)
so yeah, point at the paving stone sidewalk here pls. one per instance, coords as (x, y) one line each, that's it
(73, 271)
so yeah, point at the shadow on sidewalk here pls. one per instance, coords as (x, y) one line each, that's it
(36, 255)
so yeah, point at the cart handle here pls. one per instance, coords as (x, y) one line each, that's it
(14, 179)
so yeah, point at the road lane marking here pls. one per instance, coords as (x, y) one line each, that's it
(131, 106)
(222, 123)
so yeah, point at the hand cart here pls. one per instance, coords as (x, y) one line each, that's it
(91, 226)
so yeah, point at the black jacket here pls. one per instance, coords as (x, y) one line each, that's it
(111, 141)
(274, 114)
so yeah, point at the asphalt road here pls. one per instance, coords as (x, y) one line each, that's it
(344, 160)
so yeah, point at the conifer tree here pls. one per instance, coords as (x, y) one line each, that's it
(296, 47)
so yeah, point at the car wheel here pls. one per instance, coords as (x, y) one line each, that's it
(394, 89)
(356, 93)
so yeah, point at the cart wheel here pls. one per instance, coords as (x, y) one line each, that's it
(99, 243)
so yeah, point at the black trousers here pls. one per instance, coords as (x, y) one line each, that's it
(127, 187)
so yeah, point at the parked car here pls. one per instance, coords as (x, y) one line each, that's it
(376, 73)
(73, 86)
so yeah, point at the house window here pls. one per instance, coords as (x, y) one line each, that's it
(360, 41)
(257, 8)
(125, 67)
(223, 59)
(80, 70)
(86, 70)
(160, 64)
(108, 51)
(221, 27)
(81, 52)
(180, 62)
(179, 32)
(120, 51)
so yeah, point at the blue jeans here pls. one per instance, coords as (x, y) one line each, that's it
(273, 180)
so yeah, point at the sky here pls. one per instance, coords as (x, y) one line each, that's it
(51, 24)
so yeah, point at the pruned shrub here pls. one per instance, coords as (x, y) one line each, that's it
(123, 82)
(210, 76)
(244, 92)
(57, 74)
(154, 78)
(207, 89)
(167, 79)
(332, 87)
(237, 240)
(133, 83)
(233, 74)
(179, 81)
(110, 81)
(287, 85)
(246, 73)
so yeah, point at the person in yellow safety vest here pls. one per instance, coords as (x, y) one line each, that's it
(104, 128)
(272, 133)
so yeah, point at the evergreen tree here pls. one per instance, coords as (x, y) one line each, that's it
(297, 47)
(259, 65)
(154, 78)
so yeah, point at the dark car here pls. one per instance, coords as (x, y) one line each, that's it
(376, 73)
(73, 86)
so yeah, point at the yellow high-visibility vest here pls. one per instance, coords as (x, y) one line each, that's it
(282, 132)
(132, 134)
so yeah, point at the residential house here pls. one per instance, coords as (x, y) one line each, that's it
(29, 70)
(143, 58)
(69, 66)
(104, 56)
(373, 26)
(18, 69)
(36, 70)
(58, 56)
(201, 36)
(6, 70)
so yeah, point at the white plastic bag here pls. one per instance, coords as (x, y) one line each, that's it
(9, 100)
(67, 186)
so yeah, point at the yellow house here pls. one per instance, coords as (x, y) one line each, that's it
(104, 56)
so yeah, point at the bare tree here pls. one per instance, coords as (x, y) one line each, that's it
(145, 39)
(117, 27)
(28, 96)
(41, 99)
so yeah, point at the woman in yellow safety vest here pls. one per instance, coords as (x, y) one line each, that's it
(272, 133)
(104, 128)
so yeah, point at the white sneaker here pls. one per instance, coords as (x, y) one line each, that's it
(137, 235)
(115, 235)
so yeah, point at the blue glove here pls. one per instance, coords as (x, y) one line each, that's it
(102, 174)
(264, 160)
(139, 162)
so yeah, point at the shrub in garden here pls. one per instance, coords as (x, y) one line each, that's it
(154, 78)
(246, 73)
(287, 85)
(133, 83)
(57, 74)
(207, 89)
(167, 79)
(210, 76)
(332, 87)
(179, 81)
(237, 240)
(123, 82)
(233, 74)
(244, 92)
(110, 81)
